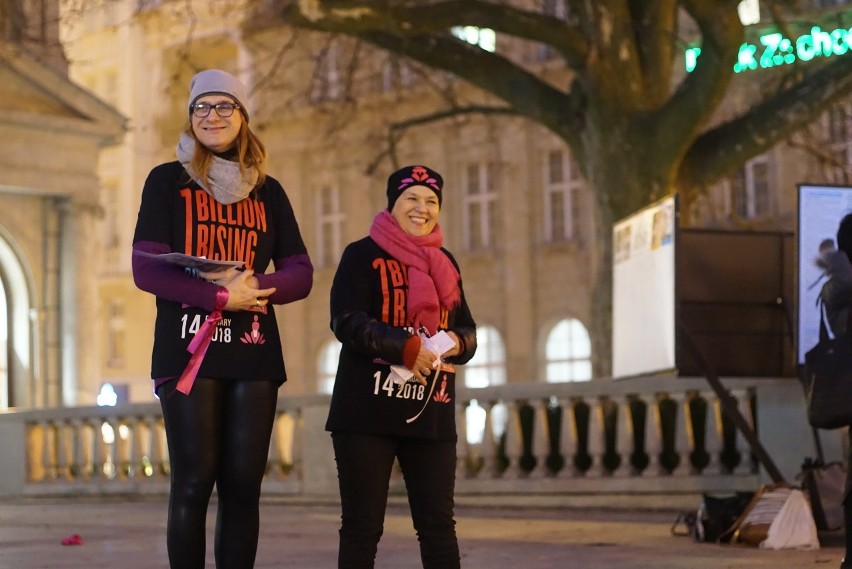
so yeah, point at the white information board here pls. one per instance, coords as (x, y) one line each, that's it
(820, 210)
(643, 291)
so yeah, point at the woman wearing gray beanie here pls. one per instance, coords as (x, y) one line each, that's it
(217, 361)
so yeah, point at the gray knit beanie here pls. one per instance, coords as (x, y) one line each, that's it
(218, 82)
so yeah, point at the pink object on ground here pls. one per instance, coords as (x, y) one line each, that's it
(72, 540)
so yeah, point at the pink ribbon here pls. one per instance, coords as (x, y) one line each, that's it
(198, 348)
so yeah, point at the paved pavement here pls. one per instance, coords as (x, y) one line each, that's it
(130, 533)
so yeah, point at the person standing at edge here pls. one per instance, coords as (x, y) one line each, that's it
(394, 293)
(836, 295)
(217, 361)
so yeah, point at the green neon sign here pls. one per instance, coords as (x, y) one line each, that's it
(774, 49)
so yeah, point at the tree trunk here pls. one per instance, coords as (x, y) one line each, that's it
(601, 325)
(625, 175)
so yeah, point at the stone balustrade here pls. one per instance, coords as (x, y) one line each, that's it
(642, 435)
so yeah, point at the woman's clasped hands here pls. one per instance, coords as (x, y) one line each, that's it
(427, 360)
(243, 288)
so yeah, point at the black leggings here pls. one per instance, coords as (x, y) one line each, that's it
(364, 464)
(218, 434)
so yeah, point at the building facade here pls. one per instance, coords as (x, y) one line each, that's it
(51, 134)
(337, 118)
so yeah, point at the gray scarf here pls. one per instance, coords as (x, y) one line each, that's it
(226, 183)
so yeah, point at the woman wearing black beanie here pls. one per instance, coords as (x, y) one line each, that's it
(398, 308)
(836, 295)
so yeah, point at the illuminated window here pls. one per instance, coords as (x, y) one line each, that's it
(488, 365)
(482, 37)
(750, 189)
(480, 211)
(330, 218)
(107, 397)
(749, 11)
(326, 85)
(327, 368)
(563, 184)
(568, 353)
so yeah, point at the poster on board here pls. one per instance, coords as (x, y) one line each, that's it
(820, 210)
(643, 290)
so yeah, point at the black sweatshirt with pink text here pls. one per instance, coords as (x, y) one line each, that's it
(368, 316)
(177, 215)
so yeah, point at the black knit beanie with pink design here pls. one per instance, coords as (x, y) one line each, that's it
(413, 176)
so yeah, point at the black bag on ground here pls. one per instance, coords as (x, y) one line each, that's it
(825, 485)
(828, 377)
(715, 517)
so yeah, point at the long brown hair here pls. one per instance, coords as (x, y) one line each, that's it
(250, 152)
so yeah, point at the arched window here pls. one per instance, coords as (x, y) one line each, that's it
(327, 368)
(488, 365)
(568, 352)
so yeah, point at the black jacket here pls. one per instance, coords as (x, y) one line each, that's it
(836, 293)
(368, 303)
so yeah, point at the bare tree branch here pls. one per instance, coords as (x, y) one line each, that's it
(397, 130)
(655, 24)
(623, 102)
(280, 56)
(721, 149)
(422, 33)
(407, 19)
(700, 93)
(637, 128)
(529, 95)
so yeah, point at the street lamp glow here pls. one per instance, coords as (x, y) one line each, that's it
(107, 397)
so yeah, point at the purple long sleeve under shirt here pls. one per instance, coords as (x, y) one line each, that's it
(292, 279)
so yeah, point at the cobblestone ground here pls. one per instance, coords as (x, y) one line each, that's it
(130, 534)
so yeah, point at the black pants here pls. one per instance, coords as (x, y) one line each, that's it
(364, 464)
(218, 434)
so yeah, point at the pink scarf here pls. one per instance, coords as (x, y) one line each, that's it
(433, 281)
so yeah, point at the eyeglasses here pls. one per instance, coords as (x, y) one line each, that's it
(224, 110)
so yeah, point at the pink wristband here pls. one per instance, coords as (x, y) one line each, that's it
(222, 296)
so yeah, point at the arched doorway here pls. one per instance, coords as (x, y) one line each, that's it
(17, 327)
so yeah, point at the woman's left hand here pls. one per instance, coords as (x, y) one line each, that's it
(243, 291)
(456, 349)
(424, 365)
